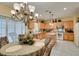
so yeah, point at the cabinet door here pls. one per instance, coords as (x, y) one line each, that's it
(66, 37)
(42, 26)
(71, 37)
(68, 24)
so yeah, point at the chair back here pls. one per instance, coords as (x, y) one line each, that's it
(3, 41)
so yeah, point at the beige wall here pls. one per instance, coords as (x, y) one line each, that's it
(5, 10)
(67, 19)
(70, 18)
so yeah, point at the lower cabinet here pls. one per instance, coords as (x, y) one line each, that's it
(69, 36)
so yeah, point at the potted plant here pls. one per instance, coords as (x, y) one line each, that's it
(27, 39)
(30, 40)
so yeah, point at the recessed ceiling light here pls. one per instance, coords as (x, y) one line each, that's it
(40, 15)
(65, 8)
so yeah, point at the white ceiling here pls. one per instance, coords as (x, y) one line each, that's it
(57, 8)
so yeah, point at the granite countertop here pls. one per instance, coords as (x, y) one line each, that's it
(22, 49)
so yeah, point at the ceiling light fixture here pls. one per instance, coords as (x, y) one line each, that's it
(23, 12)
(65, 8)
(40, 15)
(36, 14)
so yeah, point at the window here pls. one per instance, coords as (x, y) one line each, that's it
(2, 27)
(11, 29)
(18, 28)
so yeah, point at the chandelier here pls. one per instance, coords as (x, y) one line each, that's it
(23, 12)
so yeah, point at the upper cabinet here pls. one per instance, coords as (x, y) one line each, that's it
(68, 24)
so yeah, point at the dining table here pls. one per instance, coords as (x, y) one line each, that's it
(16, 49)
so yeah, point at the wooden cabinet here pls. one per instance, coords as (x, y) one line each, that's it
(65, 37)
(69, 36)
(68, 24)
(43, 25)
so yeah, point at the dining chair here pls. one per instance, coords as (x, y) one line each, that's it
(49, 47)
(47, 41)
(3, 41)
(42, 51)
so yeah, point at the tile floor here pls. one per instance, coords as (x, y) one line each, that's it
(65, 48)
